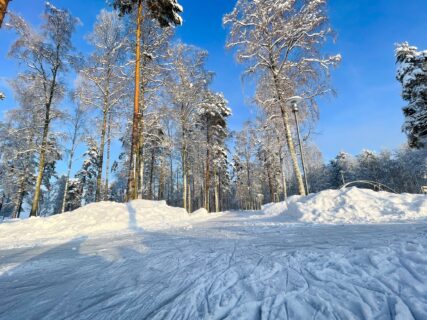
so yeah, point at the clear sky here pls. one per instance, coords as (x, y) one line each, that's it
(367, 110)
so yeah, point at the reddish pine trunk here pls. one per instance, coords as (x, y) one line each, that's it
(3, 10)
(135, 148)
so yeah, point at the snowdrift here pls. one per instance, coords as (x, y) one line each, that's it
(97, 219)
(351, 205)
(109, 218)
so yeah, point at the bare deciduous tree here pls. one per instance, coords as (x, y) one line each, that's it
(280, 41)
(46, 56)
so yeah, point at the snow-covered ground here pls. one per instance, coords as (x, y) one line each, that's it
(351, 254)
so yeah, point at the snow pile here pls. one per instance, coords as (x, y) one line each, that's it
(351, 205)
(97, 219)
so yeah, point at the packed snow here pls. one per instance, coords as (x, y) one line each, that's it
(338, 254)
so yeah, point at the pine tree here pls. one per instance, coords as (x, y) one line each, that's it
(412, 74)
(166, 12)
(342, 169)
(87, 175)
(213, 113)
(3, 10)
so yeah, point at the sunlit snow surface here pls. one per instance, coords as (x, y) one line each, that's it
(241, 265)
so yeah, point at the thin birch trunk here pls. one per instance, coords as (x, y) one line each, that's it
(43, 148)
(288, 136)
(107, 164)
(207, 170)
(184, 169)
(19, 199)
(150, 186)
(100, 163)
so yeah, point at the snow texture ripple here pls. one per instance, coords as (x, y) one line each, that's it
(237, 265)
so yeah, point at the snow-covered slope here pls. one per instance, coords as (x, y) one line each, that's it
(95, 220)
(351, 205)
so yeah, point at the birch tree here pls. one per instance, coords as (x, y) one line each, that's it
(46, 55)
(188, 82)
(104, 78)
(281, 40)
(77, 122)
(18, 163)
(246, 170)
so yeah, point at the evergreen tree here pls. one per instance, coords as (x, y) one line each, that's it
(87, 175)
(213, 113)
(412, 74)
(166, 12)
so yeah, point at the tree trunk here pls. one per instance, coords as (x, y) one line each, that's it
(42, 159)
(216, 178)
(184, 180)
(288, 136)
(170, 195)
(184, 170)
(132, 177)
(150, 186)
(292, 152)
(161, 193)
(20, 197)
(140, 156)
(207, 170)
(107, 164)
(41, 166)
(189, 203)
(2, 201)
(270, 183)
(249, 183)
(3, 10)
(284, 185)
(177, 181)
(67, 181)
(100, 163)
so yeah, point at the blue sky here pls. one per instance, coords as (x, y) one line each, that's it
(366, 113)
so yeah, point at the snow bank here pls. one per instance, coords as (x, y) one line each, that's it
(109, 218)
(351, 205)
(97, 219)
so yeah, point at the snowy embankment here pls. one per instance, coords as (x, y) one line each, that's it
(109, 218)
(97, 220)
(351, 205)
